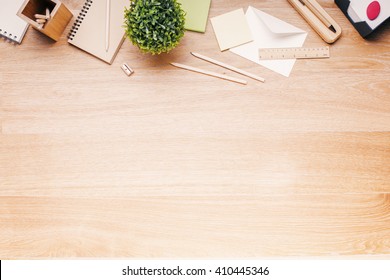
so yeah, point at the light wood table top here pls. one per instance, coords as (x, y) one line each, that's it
(172, 164)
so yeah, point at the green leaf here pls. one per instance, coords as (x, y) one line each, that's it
(155, 26)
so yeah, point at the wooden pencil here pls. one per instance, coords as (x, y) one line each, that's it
(227, 66)
(209, 73)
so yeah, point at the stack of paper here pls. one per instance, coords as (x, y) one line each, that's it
(231, 29)
(197, 12)
(266, 32)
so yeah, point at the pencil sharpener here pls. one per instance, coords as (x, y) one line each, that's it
(127, 69)
(56, 21)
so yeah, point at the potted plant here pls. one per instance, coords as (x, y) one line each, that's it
(155, 26)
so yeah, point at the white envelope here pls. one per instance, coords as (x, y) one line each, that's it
(270, 32)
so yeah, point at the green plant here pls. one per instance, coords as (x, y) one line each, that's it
(155, 26)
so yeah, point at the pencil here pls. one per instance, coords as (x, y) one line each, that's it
(232, 68)
(108, 25)
(316, 12)
(209, 73)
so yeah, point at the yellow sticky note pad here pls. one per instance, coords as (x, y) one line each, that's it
(197, 12)
(231, 29)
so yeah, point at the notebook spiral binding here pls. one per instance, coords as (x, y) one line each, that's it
(8, 36)
(80, 19)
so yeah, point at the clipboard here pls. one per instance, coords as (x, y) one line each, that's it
(315, 15)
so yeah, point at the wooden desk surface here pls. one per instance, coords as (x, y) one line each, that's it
(172, 164)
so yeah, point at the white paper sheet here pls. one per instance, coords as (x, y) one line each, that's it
(270, 32)
(12, 26)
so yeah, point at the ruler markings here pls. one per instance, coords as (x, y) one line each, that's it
(294, 53)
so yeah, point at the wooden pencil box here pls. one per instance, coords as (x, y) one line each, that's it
(55, 24)
(328, 35)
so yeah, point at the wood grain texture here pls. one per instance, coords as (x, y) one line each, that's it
(171, 164)
(234, 226)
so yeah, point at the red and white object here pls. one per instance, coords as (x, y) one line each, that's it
(374, 13)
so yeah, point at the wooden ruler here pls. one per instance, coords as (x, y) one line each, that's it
(293, 53)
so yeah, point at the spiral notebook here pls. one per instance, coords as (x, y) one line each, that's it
(89, 30)
(11, 26)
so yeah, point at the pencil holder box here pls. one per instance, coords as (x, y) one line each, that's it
(365, 15)
(56, 18)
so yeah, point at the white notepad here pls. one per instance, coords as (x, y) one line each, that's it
(231, 29)
(89, 31)
(12, 26)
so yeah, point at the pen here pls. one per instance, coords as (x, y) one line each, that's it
(311, 7)
(108, 25)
